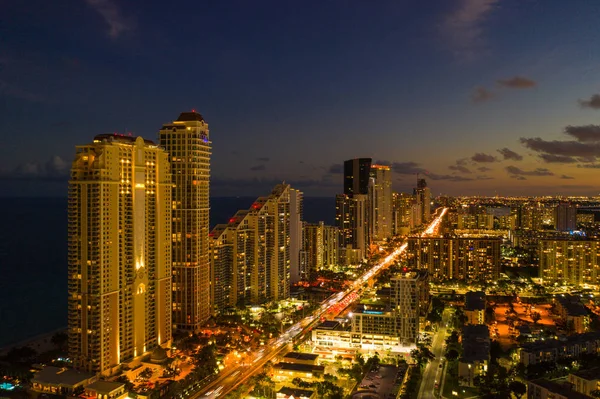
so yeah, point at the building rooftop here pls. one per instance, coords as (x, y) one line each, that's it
(105, 387)
(295, 393)
(120, 138)
(476, 343)
(190, 116)
(301, 356)
(61, 376)
(572, 305)
(305, 368)
(328, 325)
(589, 374)
(564, 390)
(475, 300)
(380, 382)
(556, 343)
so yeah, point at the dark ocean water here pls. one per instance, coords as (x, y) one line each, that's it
(33, 259)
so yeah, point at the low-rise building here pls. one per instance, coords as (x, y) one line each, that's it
(553, 349)
(332, 337)
(545, 389)
(382, 382)
(300, 358)
(106, 390)
(295, 393)
(585, 381)
(476, 353)
(60, 381)
(284, 371)
(475, 307)
(573, 313)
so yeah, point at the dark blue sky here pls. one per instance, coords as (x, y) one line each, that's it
(292, 88)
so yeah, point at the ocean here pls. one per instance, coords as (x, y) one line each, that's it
(33, 259)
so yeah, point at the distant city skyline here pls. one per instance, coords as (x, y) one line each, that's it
(478, 97)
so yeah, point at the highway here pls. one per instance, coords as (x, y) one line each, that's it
(432, 377)
(231, 377)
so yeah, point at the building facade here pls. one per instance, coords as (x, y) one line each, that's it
(119, 281)
(189, 147)
(423, 196)
(381, 203)
(320, 248)
(469, 258)
(356, 176)
(250, 255)
(351, 218)
(569, 261)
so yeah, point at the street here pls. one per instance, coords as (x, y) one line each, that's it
(432, 375)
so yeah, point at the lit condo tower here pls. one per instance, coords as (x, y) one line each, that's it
(381, 203)
(119, 261)
(187, 142)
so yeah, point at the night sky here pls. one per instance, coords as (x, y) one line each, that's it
(479, 96)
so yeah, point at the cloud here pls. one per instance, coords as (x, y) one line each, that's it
(455, 178)
(336, 169)
(551, 158)
(12, 90)
(384, 163)
(263, 159)
(483, 158)
(460, 166)
(593, 102)
(518, 177)
(584, 134)
(589, 166)
(481, 95)
(258, 168)
(484, 169)
(407, 168)
(514, 171)
(112, 15)
(517, 82)
(53, 169)
(464, 27)
(556, 147)
(509, 154)
(566, 177)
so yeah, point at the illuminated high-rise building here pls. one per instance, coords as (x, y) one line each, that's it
(320, 248)
(296, 199)
(570, 261)
(356, 176)
(251, 254)
(469, 258)
(565, 217)
(351, 219)
(404, 209)
(423, 195)
(381, 203)
(119, 280)
(187, 142)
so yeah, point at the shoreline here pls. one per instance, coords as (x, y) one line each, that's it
(41, 342)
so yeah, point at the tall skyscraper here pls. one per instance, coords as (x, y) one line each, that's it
(565, 217)
(187, 142)
(410, 302)
(423, 194)
(356, 176)
(119, 260)
(404, 209)
(380, 199)
(295, 234)
(351, 219)
(320, 247)
(251, 254)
